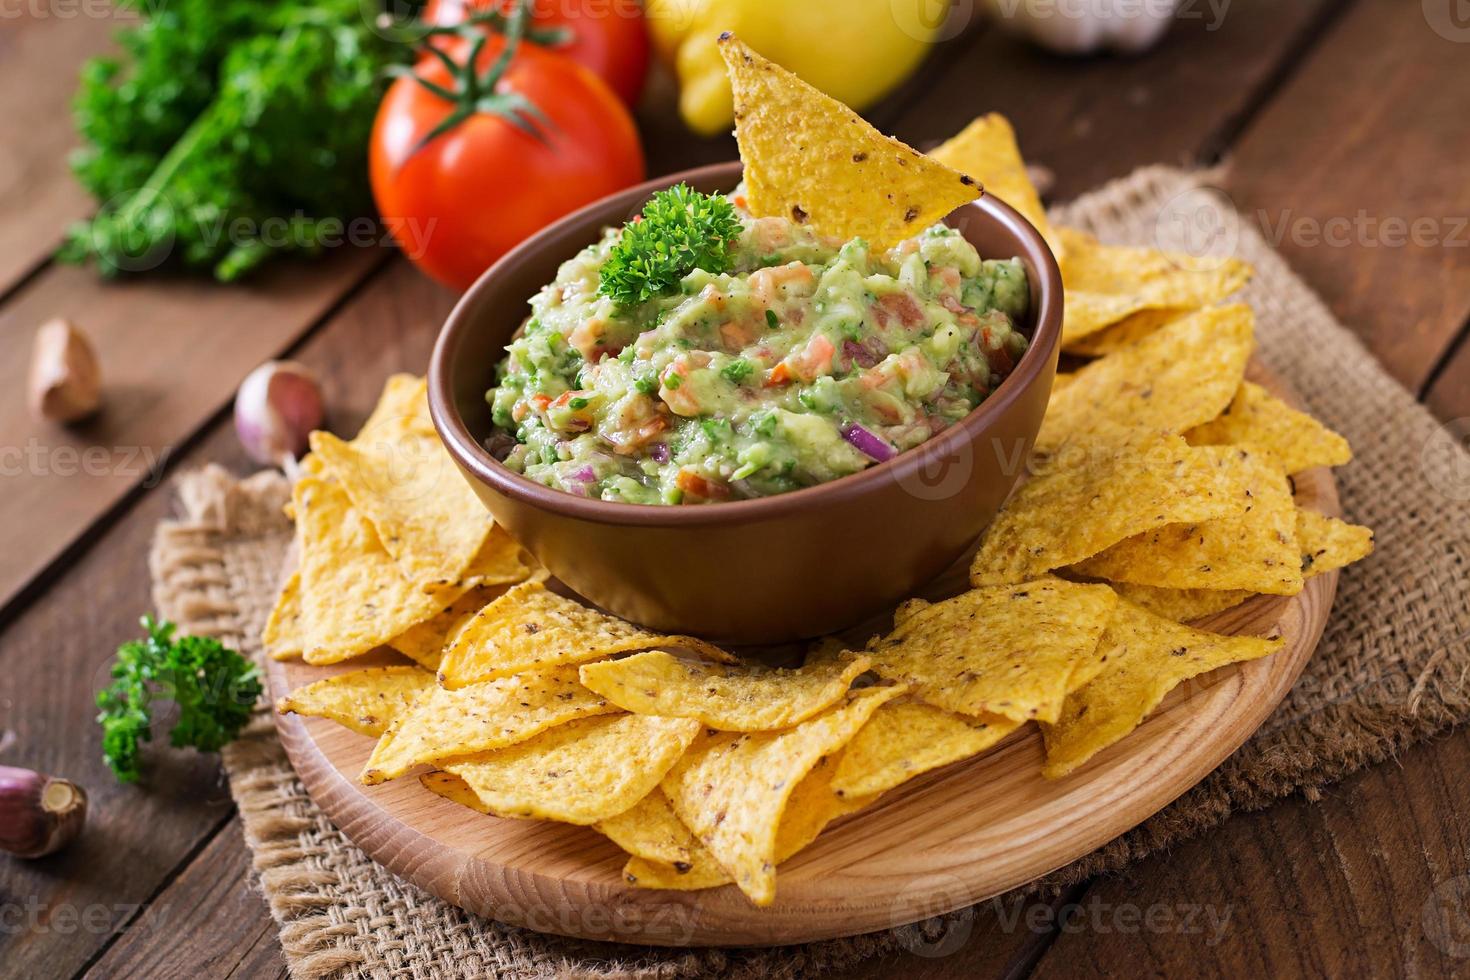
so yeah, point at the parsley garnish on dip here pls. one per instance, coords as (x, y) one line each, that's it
(700, 354)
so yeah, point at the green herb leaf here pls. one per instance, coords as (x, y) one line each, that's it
(214, 687)
(681, 230)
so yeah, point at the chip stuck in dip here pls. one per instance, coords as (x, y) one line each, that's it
(771, 359)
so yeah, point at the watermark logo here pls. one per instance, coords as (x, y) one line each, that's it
(1445, 462)
(932, 916)
(1200, 222)
(1450, 19)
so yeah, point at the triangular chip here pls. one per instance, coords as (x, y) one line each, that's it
(652, 831)
(403, 396)
(366, 701)
(1254, 547)
(531, 627)
(580, 772)
(424, 643)
(905, 739)
(1126, 332)
(1004, 650)
(1180, 605)
(732, 789)
(282, 637)
(811, 159)
(401, 478)
(1258, 420)
(1146, 656)
(1181, 376)
(446, 725)
(730, 698)
(353, 598)
(452, 788)
(1106, 283)
(1075, 508)
(986, 150)
(1328, 543)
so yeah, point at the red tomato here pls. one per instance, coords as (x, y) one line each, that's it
(608, 36)
(468, 196)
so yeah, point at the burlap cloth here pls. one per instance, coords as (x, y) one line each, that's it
(1390, 670)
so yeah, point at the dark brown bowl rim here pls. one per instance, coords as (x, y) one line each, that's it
(473, 457)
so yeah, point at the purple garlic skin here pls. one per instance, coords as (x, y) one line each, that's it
(39, 814)
(276, 409)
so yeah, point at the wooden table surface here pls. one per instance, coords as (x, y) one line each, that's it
(1344, 123)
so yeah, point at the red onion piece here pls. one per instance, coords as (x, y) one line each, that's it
(867, 443)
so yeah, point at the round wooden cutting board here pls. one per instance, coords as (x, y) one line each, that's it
(948, 839)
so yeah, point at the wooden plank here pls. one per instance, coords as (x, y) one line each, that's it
(1371, 881)
(1094, 119)
(172, 353)
(210, 922)
(1357, 169)
(1448, 394)
(42, 45)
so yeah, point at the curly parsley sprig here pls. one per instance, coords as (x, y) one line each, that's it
(681, 230)
(214, 687)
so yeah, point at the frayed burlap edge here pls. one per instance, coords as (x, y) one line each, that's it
(1390, 671)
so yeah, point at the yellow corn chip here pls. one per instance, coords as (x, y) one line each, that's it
(1180, 605)
(1260, 421)
(400, 477)
(1106, 283)
(1254, 547)
(403, 396)
(445, 725)
(652, 831)
(1004, 650)
(1146, 656)
(366, 701)
(1181, 376)
(1126, 332)
(1328, 543)
(812, 806)
(731, 789)
(530, 627)
(424, 643)
(1077, 507)
(580, 772)
(352, 596)
(726, 697)
(813, 160)
(282, 634)
(905, 739)
(452, 788)
(986, 150)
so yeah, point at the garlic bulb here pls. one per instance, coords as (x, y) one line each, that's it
(39, 814)
(276, 408)
(65, 379)
(1086, 26)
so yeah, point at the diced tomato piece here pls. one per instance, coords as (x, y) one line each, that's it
(540, 401)
(901, 305)
(780, 375)
(696, 485)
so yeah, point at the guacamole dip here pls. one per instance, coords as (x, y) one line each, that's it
(771, 359)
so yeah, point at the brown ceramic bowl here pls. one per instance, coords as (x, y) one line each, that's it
(754, 571)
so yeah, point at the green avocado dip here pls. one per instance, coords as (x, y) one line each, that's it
(700, 355)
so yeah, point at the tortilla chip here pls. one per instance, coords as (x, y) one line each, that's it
(446, 725)
(1181, 376)
(424, 643)
(732, 789)
(402, 479)
(1328, 543)
(281, 637)
(366, 701)
(1106, 283)
(1254, 547)
(1075, 508)
(452, 788)
(730, 698)
(905, 739)
(1004, 650)
(353, 598)
(652, 831)
(1146, 656)
(530, 628)
(1126, 332)
(986, 150)
(813, 160)
(1180, 605)
(1258, 420)
(403, 395)
(580, 772)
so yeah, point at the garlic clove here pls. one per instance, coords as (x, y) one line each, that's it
(66, 379)
(39, 814)
(276, 408)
